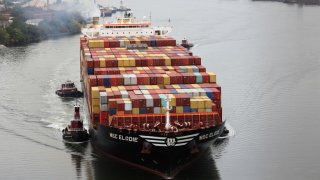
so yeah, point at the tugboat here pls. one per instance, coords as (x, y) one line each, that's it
(186, 44)
(68, 89)
(75, 132)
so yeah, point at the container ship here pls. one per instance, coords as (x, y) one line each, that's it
(149, 101)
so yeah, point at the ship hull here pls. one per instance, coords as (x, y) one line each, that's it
(166, 157)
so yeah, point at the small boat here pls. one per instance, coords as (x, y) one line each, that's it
(68, 89)
(75, 132)
(186, 44)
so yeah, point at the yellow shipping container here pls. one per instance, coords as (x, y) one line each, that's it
(108, 90)
(91, 43)
(95, 92)
(196, 85)
(213, 78)
(96, 109)
(176, 86)
(208, 103)
(102, 63)
(122, 69)
(135, 110)
(126, 63)
(201, 110)
(163, 110)
(167, 61)
(166, 79)
(121, 88)
(132, 62)
(136, 72)
(126, 42)
(124, 56)
(120, 63)
(201, 104)
(137, 41)
(179, 109)
(194, 103)
(172, 101)
(95, 102)
(114, 88)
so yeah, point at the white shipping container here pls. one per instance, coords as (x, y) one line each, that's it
(103, 98)
(126, 78)
(122, 43)
(208, 110)
(124, 94)
(202, 92)
(87, 55)
(127, 105)
(133, 79)
(149, 100)
(145, 92)
(137, 92)
(195, 69)
(104, 107)
(157, 110)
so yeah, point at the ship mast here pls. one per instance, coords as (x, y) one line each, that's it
(168, 108)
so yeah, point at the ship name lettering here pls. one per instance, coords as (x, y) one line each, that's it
(123, 138)
(128, 138)
(114, 136)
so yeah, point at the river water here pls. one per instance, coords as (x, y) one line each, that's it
(267, 59)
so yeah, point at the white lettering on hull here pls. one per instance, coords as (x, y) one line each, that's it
(123, 138)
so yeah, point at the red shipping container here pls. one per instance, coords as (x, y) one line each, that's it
(89, 63)
(112, 103)
(93, 80)
(104, 118)
(156, 100)
(153, 79)
(142, 101)
(117, 94)
(197, 60)
(100, 79)
(201, 68)
(205, 77)
(106, 43)
(111, 62)
(96, 63)
(120, 105)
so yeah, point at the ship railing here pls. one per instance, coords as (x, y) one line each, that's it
(183, 121)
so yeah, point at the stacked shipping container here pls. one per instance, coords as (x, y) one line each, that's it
(127, 86)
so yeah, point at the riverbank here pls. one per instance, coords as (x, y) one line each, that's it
(55, 24)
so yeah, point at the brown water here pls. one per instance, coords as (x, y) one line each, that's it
(266, 56)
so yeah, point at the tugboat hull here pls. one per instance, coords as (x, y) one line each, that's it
(75, 136)
(71, 94)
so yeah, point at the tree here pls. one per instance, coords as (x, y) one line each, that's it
(4, 37)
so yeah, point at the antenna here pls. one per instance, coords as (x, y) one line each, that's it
(150, 16)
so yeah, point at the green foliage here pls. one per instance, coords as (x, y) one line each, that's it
(4, 37)
(19, 33)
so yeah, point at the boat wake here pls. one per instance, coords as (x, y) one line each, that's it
(231, 133)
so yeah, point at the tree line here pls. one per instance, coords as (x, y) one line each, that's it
(20, 33)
